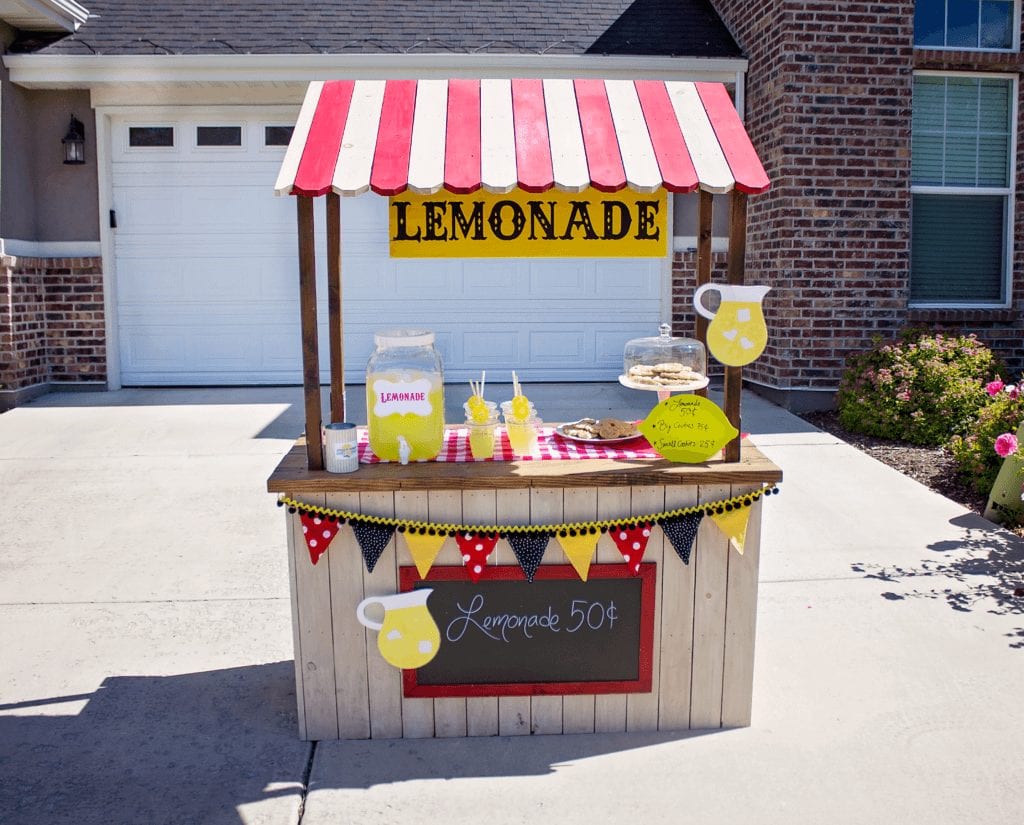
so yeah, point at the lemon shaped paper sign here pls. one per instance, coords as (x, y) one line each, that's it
(688, 429)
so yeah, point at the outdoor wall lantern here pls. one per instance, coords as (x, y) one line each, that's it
(74, 142)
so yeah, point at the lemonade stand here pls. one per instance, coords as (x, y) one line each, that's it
(487, 578)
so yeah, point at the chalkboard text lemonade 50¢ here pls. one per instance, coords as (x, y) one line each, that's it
(583, 616)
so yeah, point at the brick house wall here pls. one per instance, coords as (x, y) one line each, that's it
(52, 325)
(828, 107)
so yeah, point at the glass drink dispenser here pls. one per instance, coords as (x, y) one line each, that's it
(405, 396)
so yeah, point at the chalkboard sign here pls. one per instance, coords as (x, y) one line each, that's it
(505, 636)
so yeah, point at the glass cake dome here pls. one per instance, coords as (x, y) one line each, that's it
(665, 363)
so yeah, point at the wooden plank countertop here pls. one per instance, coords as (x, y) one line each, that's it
(292, 476)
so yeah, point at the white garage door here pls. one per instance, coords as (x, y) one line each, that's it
(207, 275)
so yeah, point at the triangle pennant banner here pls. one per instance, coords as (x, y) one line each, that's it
(734, 524)
(632, 542)
(424, 549)
(476, 547)
(681, 532)
(372, 538)
(318, 532)
(580, 550)
(529, 549)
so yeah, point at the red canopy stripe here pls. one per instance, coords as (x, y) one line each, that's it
(462, 141)
(533, 148)
(732, 137)
(669, 146)
(320, 154)
(390, 174)
(599, 138)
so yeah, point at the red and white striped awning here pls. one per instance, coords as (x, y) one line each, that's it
(355, 135)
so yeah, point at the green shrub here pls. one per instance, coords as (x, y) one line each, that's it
(977, 462)
(922, 387)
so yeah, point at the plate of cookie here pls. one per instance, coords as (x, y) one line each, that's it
(667, 376)
(599, 431)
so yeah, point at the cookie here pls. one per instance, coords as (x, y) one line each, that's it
(614, 428)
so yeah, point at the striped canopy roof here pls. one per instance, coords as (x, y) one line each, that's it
(355, 135)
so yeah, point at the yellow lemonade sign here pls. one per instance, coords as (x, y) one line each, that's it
(519, 224)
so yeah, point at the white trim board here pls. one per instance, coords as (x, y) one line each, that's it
(49, 249)
(44, 71)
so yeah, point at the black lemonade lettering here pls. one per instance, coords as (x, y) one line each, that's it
(401, 223)
(471, 227)
(497, 221)
(646, 217)
(611, 232)
(547, 222)
(579, 217)
(442, 220)
(434, 211)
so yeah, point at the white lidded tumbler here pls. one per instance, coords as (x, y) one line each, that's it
(341, 449)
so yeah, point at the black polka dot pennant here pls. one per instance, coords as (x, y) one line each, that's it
(682, 531)
(372, 538)
(529, 549)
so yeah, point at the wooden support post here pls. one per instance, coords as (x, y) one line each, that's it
(310, 352)
(737, 267)
(335, 327)
(704, 222)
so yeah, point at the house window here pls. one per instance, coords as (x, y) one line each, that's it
(965, 24)
(150, 136)
(277, 135)
(962, 144)
(218, 136)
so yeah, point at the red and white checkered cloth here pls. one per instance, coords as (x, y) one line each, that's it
(550, 447)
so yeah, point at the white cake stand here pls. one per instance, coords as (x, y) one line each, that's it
(664, 391)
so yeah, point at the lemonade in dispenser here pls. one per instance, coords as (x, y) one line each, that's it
(405, 396)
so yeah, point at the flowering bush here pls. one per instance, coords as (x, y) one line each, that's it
(992, 437)
(920, 388)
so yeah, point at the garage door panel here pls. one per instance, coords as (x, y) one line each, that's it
(207, 280)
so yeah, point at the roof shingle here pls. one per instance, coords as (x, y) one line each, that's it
(642, 27)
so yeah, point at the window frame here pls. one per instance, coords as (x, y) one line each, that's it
(1014, 46)
(1009, 192)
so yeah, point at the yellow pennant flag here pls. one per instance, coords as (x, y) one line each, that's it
(423, 549)
(580, 550)
(734, 524)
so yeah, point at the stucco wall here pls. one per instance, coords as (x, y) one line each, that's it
(42, 199)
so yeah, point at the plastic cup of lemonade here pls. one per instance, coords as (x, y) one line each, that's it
(522, 435)
(481, 437)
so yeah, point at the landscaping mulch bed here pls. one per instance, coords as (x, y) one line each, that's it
(931, 466)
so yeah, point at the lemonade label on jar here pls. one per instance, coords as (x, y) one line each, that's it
(402, 397)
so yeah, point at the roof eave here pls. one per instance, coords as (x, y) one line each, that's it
(49, 71)
(52, 15)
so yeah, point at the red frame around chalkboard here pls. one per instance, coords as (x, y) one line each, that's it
(408, 577)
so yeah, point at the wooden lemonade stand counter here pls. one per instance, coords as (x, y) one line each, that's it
(704, 612)
(584, 611)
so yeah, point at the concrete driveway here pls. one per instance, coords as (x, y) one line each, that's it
(146, 676)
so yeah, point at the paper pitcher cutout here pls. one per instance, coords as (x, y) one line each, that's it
(737, 334)
(408, 637)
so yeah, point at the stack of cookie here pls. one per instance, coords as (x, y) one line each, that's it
(591, 429)
(668, 374)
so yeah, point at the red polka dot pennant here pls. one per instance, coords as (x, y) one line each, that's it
(632, 542)
(318, 532)
(476, 547)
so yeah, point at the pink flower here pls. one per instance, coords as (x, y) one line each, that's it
(1013, 391)
(1006, 444)
(993, 388)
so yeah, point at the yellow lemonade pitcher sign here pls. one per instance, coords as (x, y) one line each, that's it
(557, 224)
